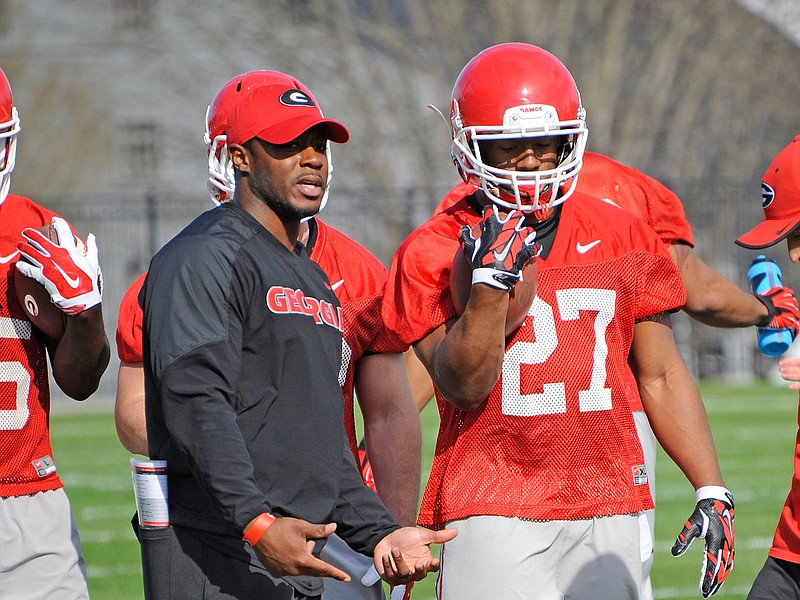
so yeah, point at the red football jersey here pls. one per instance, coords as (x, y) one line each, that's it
(603, 177)
(555, 438)
(129, 324)
(357, 278)
(786, 542)
(26, 458)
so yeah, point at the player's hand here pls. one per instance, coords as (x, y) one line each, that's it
(790, 371)
(405, 556)
(712, 519)
(782, 308)
(502, 250)
(71, 275)
(285, 549)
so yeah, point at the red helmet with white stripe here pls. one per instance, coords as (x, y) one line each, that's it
(518, 90)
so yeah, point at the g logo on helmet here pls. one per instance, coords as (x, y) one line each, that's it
(767, 194)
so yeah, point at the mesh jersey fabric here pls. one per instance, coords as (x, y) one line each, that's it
(605, 178)
(26, 457)
(540, 446)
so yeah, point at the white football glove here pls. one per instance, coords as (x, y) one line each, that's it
(70, 273)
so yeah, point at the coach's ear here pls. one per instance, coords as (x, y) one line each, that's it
(240, 157)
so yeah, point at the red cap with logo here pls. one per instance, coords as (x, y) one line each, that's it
(780, 199)
(278, 114)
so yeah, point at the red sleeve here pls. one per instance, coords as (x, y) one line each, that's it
(417, 296)
(129, 324)
(638, 193)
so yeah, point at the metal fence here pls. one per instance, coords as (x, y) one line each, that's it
(132, 226)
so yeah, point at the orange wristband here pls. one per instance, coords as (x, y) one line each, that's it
(259, 527)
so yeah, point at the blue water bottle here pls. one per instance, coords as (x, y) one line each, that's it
(764, 274)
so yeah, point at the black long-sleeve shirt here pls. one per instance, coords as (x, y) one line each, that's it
(242, 349)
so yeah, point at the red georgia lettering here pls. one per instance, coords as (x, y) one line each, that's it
(283, 300)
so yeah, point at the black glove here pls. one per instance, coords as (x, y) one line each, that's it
(712, 519)
(502, 250)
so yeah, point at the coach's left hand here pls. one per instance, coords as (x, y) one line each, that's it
(405, 555)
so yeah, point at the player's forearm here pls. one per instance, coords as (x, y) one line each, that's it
(723, 304)
(678, 419)
(82, 354)
(394, 447)
(712, 298)
(468, 362)
(129, 416)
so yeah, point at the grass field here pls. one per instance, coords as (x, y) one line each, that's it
(754, 428)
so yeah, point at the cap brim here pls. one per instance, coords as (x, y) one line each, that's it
(768, 233)
(285, 131)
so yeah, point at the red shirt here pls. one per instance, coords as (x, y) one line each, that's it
(26, 458)
(357, 278)
(555, 438)
(786, 542)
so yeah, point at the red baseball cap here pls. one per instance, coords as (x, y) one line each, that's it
(278, 114)
(780, 199)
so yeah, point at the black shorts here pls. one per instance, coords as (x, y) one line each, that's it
(177, 565)
(777, 579)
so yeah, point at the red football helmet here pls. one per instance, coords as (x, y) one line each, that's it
(221, 180)
(9, 128)
(518, 90)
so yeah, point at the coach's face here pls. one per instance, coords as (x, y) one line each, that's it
(289, 178)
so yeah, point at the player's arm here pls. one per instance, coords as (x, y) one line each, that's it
(713, 299)
(672, 401)
(71, 275)
(464, 357)
(129, 416)
(418, 379)
(676, 413)
(392, 432)
(81, 355)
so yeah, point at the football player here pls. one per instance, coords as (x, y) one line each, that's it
(41, 555)
(711, 298)
(780, 199)
(537, 439)
(371, 365)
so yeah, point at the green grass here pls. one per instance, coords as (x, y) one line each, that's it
(754, 428)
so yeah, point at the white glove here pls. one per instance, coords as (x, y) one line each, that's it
(69, 271)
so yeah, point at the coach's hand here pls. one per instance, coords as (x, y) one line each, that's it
(712, 519)
(404, 555)
(285, 549)
(503, 248)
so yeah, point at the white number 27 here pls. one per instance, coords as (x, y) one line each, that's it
(552, 399)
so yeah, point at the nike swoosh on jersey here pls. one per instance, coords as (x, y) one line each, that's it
(5, 259)
(337, 285)
(72, 282)
(584, 248)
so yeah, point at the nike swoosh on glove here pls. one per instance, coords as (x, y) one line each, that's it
(503, 248)
(783, 310)
(71, 275)
(712, 519)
